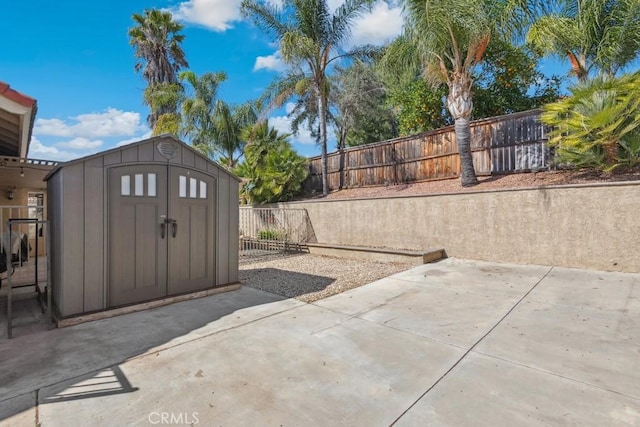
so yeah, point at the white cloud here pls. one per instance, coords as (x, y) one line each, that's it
(52, 127)
(275, 3)
(112, 122)
(379, 26)
(289, 107)
(283, 125)
(81, 143)
(145, 135)
(38, 150)
(217, 15)
(270, 62)
(334, 4)
(38, 147)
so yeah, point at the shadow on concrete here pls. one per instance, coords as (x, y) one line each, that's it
(106, 382)
(44, 359)
(28, 315)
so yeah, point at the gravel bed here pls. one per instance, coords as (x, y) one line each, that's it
(311, 277)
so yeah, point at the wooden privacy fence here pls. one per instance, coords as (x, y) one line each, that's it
(504, 144)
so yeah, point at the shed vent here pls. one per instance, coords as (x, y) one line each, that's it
(168, 149)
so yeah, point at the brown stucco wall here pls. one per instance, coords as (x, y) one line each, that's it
(584, 226)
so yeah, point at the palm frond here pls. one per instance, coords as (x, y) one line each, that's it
(265, 16)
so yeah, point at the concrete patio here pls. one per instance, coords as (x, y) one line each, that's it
(451, 343)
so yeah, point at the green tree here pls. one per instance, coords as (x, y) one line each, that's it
(157, 44)
(199, 110)
(230, 122)
(361, 99)
(159, 97)
(450, 38)
(274, 172)
(599, 124)
(310, 38)
(597, 36)
(508, 81)
(419, 107)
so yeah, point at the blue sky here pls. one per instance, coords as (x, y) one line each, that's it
(74, 57)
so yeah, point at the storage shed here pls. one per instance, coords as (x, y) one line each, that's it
(138, 223)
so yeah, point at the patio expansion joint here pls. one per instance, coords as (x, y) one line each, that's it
(360, 313)
(461, 358)
(231, 328)
(544, 371)
(445, 287)
(37, 407)
(357, 316)
(428, 338)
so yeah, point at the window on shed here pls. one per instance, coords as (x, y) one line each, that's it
(139, 191)
(203, 190)
(151, 185)
(125, 185)
(193, 188)
(182, 190)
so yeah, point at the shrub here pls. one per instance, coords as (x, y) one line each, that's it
(598, 125)
(269, 235)
(274, 172)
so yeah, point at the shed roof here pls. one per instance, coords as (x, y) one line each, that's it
(141, 142)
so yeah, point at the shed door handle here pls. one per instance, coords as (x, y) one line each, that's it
(174, 224)
(162, 228)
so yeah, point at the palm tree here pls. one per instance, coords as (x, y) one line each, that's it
(199, 110)
(450, 38)
(310, 39)
(597, 123)
(157, 42)
(601, 36)
(273, 170)
(160, 97)
(230, 124)
(261, 139)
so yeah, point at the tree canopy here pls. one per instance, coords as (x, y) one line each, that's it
(596, 36)
(310, 38)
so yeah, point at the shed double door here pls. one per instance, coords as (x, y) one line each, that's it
(161, 232)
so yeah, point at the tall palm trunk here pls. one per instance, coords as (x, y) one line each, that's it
(578, 65)
(460, 106)
(322, 117)
(611, 153)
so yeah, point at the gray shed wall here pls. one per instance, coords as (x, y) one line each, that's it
(77, 197)
(228, 230)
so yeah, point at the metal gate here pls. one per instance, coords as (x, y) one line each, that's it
(272, 231)
(24, 253)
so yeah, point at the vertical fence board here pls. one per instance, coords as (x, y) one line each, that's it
(505, 144)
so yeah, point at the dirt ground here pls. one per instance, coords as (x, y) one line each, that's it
(496, 182)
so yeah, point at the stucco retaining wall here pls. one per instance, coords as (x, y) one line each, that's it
(585, 226)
